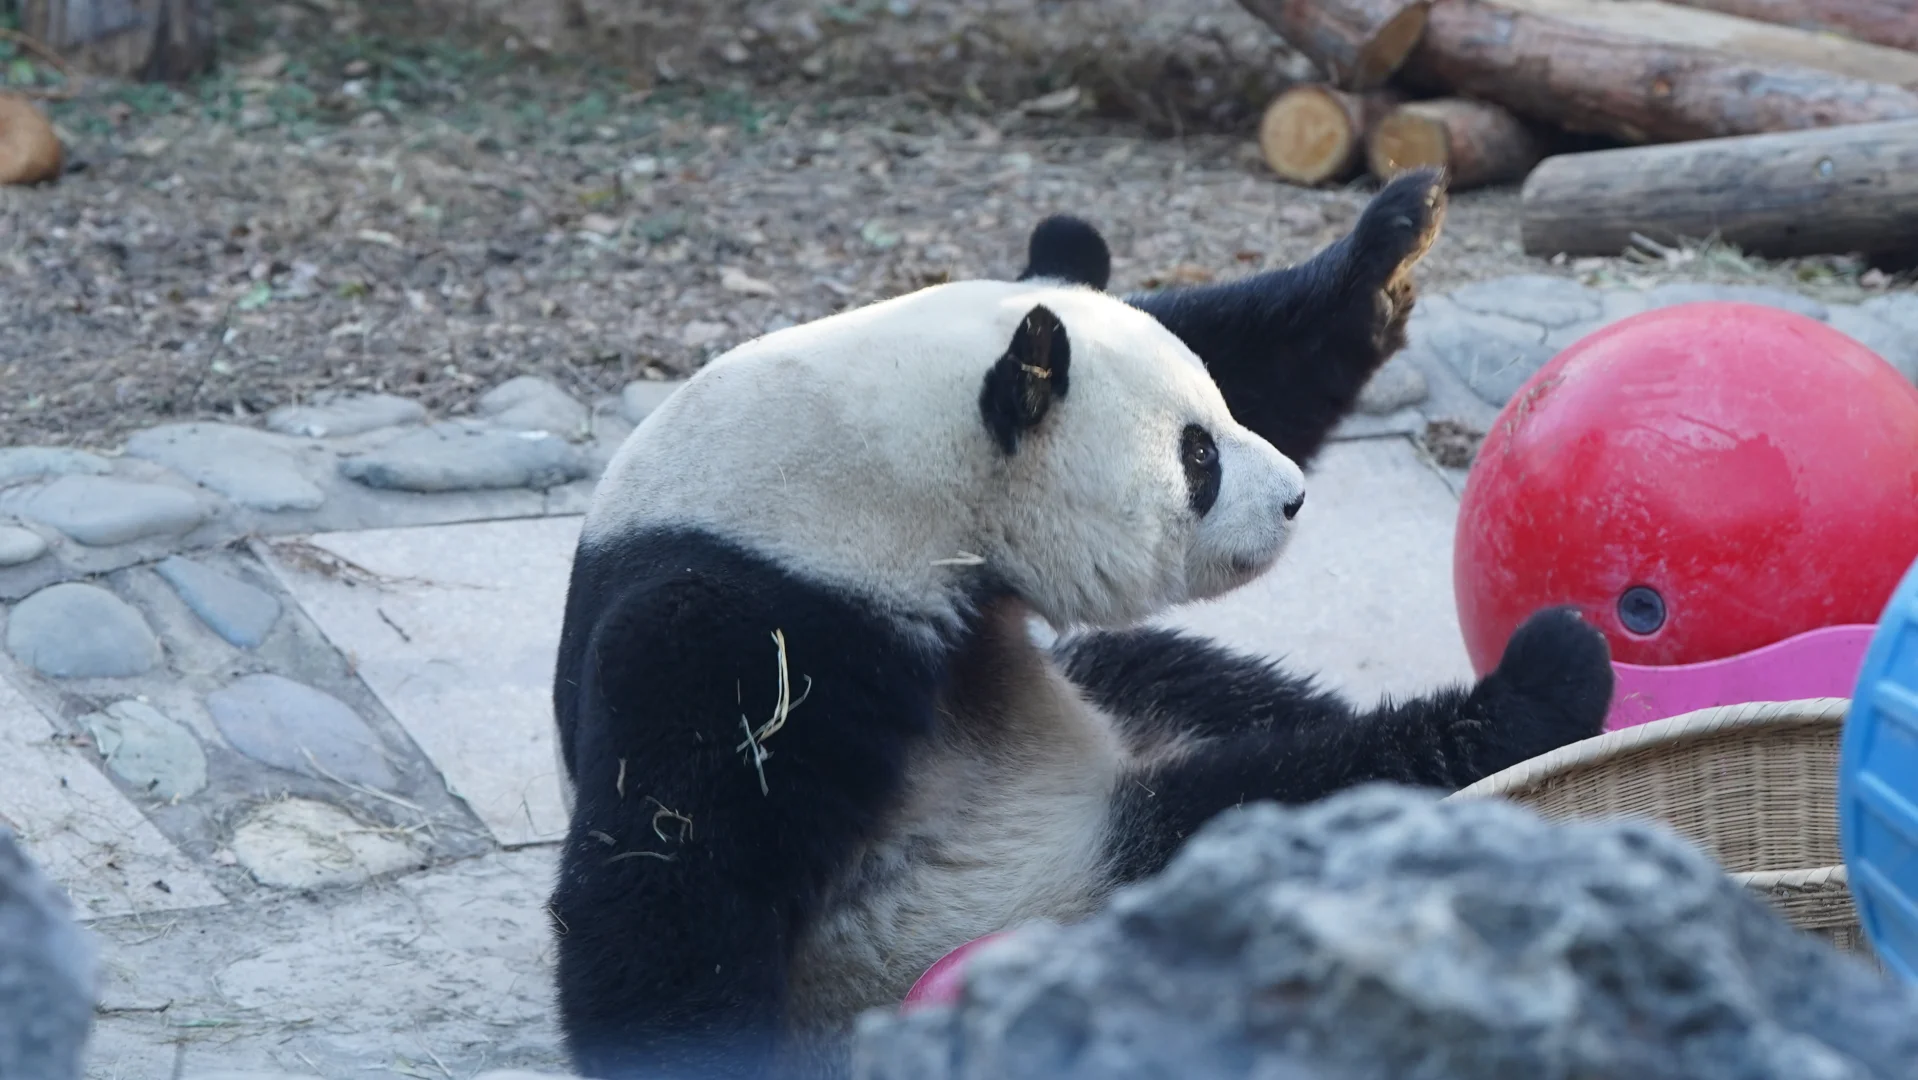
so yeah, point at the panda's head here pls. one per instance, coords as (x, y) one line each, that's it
(1042, 440)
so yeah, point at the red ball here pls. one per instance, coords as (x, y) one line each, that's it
(1698, 481)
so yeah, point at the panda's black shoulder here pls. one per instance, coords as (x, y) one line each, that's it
(1068, 249)
(676, 620)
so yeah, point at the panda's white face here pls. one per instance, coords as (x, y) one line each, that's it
(1053, 441)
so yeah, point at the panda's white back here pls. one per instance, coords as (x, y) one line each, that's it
(1006, 820)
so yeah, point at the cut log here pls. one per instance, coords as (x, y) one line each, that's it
(1642, 71)
(1880, 22)
(1314, 134)
(29, 149)
(149, 40)
(1835, 190)
(1476, 142)
(1358, 44)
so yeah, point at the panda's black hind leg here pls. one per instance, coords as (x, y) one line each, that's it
(1292, 348)
(1215, 729)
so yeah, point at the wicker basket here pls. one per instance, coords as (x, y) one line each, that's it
(1755, 785)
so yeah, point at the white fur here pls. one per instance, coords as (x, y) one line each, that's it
(1005, 820)
(852, 450)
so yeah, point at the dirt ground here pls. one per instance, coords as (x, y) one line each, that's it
(351, 202)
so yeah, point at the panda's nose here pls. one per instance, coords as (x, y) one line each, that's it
(1292, 508)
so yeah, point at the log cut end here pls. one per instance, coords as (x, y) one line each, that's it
(1476, 142)
(29, 149)
(1309, 136)
(1358, 44)
(1382, 56)
(1405, 140)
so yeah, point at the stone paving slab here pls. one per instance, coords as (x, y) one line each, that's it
(81, 830)
(459, 644)
(1363, 597)
(268, 762)
(442, 973)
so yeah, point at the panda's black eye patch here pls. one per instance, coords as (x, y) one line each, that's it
(1200, 456)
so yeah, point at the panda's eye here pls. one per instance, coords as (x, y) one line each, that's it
(1200, 456)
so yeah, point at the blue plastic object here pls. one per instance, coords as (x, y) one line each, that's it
(1878, 785)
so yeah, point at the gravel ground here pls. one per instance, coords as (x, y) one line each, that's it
(347, 204)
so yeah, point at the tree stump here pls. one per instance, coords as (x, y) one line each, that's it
(146, 40)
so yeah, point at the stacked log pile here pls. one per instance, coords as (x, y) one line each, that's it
(1784, 126)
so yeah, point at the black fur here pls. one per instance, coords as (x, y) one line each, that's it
(1020, 388)
(1292, 348)
(682, 884)
(1203, 472)
(1065, 248)
(1259, 733)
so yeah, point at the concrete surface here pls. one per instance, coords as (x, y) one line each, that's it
(81, 830)
(440, 974)
(459, 644)
(324, 927)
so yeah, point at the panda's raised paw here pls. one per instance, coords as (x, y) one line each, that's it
(1400, 225)
(1393, 233)
(1553, 684)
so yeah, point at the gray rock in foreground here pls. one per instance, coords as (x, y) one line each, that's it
(1383, 935)
(47, 974)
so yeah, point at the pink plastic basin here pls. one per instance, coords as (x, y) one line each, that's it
(940, 984)
(1817, 663)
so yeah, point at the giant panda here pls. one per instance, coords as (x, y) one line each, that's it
(810, 741)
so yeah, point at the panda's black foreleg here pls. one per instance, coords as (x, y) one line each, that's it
(695, 863)
(1292, 348)
(1216, 730)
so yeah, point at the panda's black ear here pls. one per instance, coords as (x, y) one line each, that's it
(1021, 387)
(1065, 248)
